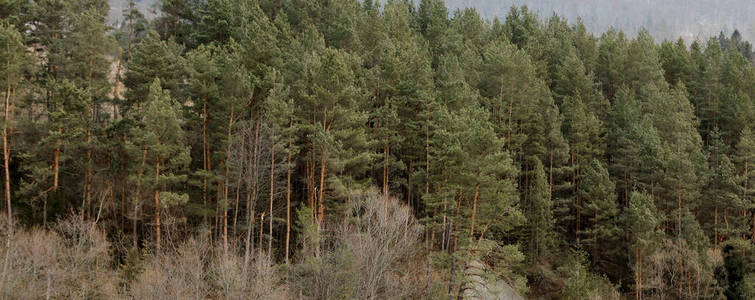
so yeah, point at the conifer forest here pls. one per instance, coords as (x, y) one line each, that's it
(360, 149)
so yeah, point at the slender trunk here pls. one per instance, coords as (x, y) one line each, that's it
(409, 184)
(225, 185)
(320, 206)
(637, 274)
(157, 205)
(550, 176)
(511, 109)
(90, 120)
(262, 225)
(715, 228)
(117, 82)
(427, 159)
(272, 193)
(579, 203)
(288, 198)
(474, 204)
(252, 199)
(205, 158)
(6, 159)
(385, 168)
(238, 191)
(123, 187)
(56, 167)
(595, 236)
(726, 222)
(679, 214)
(137, 199)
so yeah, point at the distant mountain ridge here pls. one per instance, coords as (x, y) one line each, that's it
(664, 19)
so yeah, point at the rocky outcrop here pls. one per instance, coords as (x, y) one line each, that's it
(480, 285)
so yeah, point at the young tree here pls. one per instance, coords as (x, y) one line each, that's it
(745, 160)
(280, 110)
(642, 222)
(600, 205)
(161, 136)
(542, 235)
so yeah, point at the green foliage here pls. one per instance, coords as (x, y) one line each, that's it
(516, 143)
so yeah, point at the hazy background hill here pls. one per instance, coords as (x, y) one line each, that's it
(665, 19)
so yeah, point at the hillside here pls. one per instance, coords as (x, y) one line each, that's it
(698, 19)
(670, 19)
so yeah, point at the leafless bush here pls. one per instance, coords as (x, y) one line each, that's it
(178, 274)
(71, 262)
(260, 280)
(192, 271)
(371, 257)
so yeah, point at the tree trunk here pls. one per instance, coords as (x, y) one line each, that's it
(252, 199)
(238, 190)
(410, 196)
(715, 228)
(288, 199)
(225, 185)
(272, 193)
(6, 159)
(637, 283)
(385, 168)
(90, 120)
(137, 199)
(320, 206)
(157, 205)
(123, 187)
(262, 225)
(474, 203)
(205, 159)
(679, 214)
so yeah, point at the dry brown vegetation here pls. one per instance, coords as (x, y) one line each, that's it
(372, 254)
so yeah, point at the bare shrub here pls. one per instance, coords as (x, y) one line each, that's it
(174, 274)
(71, 262)
(372, 255)
(192, 271)
(260, 280)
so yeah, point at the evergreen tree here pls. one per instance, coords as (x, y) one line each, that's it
(600, 207)
(722, 190)
(642, 222)
(161, 136)
(542, 234)
(152, 58)
(744, 158)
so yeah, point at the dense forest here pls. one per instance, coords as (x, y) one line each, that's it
(353, 149)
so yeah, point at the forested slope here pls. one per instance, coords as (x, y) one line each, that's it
(351, 149)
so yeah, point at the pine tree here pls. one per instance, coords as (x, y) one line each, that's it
(542, 234)
(203, 70)
(599, 206)
(642, 223)
(722, 190)
(676, 62)
(611, 61)
(280, 112)
(89, 66)
(161, 136)
(685, 161)
(744, 159)
(336, 137)
(152, 58)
